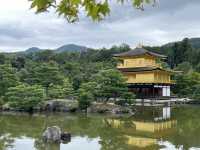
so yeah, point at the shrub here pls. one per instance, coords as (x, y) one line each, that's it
(61, 91)
(24, 96)
(84, 100)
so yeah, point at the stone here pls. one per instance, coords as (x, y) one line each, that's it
(65, 137)
(52, 134)
(109, 108)
(6, 107)
(60, 105)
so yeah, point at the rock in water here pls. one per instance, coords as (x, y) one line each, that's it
(65, 137)
(52, 134)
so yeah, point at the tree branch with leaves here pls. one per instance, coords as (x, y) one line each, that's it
(70, 9)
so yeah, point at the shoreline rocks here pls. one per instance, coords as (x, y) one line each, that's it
(71, 106)
(109, 108)
(59, 105)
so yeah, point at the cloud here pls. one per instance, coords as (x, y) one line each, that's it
(168, 21)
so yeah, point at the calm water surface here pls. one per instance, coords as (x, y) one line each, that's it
(150, 129)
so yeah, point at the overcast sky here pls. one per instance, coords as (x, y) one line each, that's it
(170, 20)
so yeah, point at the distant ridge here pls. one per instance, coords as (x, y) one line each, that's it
(195, 42)
(33, 49)
(71, 47)
(64, 48)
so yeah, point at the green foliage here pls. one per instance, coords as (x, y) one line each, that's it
(196, 92)
(25, 96)
(70, 9)
(42, 5)
(178, 52)
(111, 84)
(47, 74)
(104, 85)
(86, 94)
(61, 91)
(1, 102)
(18, 62)
(162, 64)
(56, 91)
(185, 67)
(44, 56)
(68, 88)
(187, 85)
(197, 67)
(2, 59)
(43, 74)
(107, 84)
(8, 78)
(84, 99)
(91, 87)
(128, 98)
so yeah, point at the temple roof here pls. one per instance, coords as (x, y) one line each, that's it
(138, 51)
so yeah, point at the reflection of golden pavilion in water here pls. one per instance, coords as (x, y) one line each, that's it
(140, 141)
(153, 128)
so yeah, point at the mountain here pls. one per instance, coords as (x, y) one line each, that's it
(67, 48)
(71, 48)
(195, 42)
(33, 49)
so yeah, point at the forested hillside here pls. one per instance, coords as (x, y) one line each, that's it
(185, 51)
(26, 79)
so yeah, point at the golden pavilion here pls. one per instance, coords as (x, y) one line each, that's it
(144, 73)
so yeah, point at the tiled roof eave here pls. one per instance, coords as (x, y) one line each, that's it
(138, 52)
(144, 69)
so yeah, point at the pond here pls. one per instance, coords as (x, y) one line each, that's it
(150, 129)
